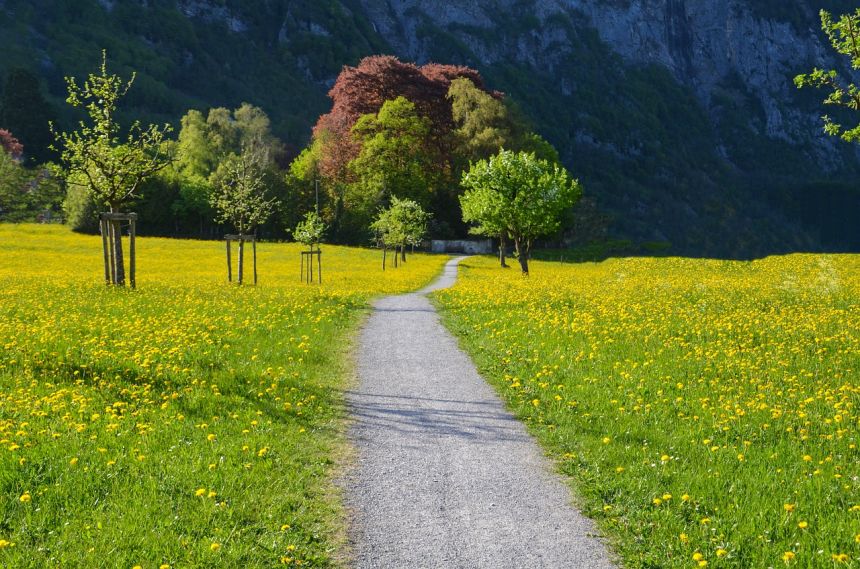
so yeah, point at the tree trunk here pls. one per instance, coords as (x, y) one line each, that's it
(522, 255)
(119, 261)
(403, 252)
(502, 252)
(241, 260)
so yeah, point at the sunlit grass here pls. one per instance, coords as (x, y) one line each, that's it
(707, 411)
(189, 423)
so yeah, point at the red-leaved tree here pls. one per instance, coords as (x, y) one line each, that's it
(363, 89)
(10, 144)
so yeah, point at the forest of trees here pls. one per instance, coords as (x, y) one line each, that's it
(395, 131)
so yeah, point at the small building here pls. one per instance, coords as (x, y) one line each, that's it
(467, 246)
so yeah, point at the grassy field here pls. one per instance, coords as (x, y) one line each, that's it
(190, 423)
(707, 411)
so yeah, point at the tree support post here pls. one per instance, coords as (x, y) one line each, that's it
(103, 229)
(308, 277)
(240, 268)
(110, 225)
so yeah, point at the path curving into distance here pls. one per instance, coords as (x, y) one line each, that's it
(445, 477)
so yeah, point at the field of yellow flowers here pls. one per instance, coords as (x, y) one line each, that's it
(707, 411)
(189, 423)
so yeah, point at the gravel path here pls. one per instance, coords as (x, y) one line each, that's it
(445, 477)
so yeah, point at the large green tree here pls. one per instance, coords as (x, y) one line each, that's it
(844, 36)
(482, 123)
(485, 123)
(394, 161)
(109, 165)
(517, 195)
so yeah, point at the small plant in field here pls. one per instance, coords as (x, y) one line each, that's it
(240, 196)
(309, 232)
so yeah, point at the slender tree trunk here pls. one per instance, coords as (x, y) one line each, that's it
(119, 262)
(403, 252)
(522, 254)
(502, 252)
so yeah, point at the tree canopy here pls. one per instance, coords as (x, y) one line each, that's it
(394, 159)
(110, 166)
(240, 196)
(310, 230)
(10, 145)
(403, 223)
(519, 195)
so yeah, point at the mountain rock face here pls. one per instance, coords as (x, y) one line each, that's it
(703, 43)
(679, 116)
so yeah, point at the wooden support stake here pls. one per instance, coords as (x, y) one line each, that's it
(104, 230)
(111, 230)
(319, 264)
(241, 268)
(254, 245)
(131, 258)
(229, 264)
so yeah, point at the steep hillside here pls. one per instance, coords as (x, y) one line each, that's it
(680, 117)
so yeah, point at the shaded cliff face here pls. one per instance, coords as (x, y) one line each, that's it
(703, 43)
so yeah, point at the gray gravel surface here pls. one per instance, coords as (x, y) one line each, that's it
(445, 477)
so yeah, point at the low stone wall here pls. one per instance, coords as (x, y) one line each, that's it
(468, 246)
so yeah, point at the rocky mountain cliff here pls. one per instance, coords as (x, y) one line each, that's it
(704, 44)
(680, 116)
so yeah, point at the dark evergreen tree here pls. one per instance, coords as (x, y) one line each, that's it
(24, 111)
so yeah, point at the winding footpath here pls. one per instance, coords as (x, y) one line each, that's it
(445, 477)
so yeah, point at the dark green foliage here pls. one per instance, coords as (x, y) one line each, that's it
(801, 14)
(25, 112)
